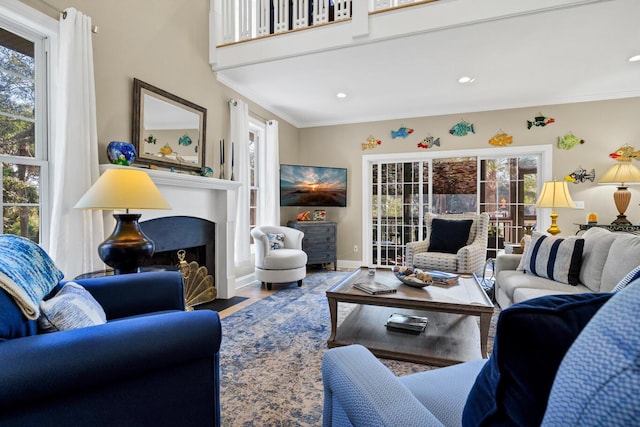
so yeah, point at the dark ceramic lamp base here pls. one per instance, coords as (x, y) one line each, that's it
(127, 248)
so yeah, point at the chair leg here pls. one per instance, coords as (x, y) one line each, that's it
(299, 282)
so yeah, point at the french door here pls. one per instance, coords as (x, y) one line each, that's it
(401, 189)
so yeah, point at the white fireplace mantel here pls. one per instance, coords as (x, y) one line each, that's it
(201, 197)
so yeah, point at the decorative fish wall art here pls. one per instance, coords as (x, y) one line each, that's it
(625, 154)
(184, 140)
(370, 144)
(429, 142)
(540, 121)
(569, 141)
(462, 128)
(403, 132)
(580, 175)
(501, 139)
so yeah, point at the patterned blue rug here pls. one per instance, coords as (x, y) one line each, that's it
(271, 356)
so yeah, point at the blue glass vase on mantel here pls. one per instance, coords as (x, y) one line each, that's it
(121, 153)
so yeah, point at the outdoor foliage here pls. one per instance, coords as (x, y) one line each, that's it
(20, 182)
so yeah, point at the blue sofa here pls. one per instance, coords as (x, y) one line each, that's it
(558, 360)
(151, 364)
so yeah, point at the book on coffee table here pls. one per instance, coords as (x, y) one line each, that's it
(410, 323)
(374, 288)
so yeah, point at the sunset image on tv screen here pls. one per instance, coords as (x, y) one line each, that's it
(312, 186)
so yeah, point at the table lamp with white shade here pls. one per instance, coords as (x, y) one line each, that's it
(623, 174)
(555, 194)
(122, 189)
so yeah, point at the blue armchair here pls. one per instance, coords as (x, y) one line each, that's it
(557, 360)
(151, 364)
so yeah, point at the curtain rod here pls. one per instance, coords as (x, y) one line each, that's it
(94, 28)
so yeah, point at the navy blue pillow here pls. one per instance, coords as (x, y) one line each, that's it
(532, 337)
(449, 235)
(13, 324)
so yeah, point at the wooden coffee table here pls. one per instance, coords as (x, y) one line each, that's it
(452, 335)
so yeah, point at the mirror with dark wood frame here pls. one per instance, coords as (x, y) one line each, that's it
(168, 131)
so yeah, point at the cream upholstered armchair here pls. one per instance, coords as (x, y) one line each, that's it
(279, 255)
(469, 258)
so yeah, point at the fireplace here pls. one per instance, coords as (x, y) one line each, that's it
(211, 199)
(196, 236)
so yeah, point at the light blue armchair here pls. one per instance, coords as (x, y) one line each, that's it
(559, 360)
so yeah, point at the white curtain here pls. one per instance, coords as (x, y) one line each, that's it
(75, 234)
(269, 211)
(239, 112)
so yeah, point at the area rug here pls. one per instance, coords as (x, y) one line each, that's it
(271, 354)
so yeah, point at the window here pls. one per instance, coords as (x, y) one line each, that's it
(403, 187)
(256, 136)
(23, 132)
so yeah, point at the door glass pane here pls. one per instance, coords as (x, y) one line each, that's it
(455, 185)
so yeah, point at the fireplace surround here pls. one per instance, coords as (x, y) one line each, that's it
(211, 199)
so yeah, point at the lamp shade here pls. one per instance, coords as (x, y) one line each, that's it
(555, 194)
(123, 189)
(621, 174)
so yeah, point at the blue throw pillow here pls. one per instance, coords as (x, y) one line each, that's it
(13, 324)
(449, 235)
(532, 337)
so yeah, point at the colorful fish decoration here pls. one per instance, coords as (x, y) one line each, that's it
(540, 121)
(580, 175)
(402, 132)
(569, 141)
(625, 154)
(150, 139)
(462, 128)
(429, 142)
(371, 143)
(166, 150)
(184, 140)
(501, 139)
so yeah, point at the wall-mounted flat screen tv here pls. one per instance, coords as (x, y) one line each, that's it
(312, 186)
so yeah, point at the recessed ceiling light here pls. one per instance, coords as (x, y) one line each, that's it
(634, 58)
(341, 95)
(465, 79)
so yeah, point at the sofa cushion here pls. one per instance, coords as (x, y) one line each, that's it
(598, 381)
(630, 277)
(449, 235)
(624, 256)
(531, 339)
(71, 308)
(276, 240)
(555, 258)
(597, 242)
(13, 323)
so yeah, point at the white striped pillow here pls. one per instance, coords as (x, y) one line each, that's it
(554, 258)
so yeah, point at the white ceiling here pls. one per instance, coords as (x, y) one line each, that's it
(552, 57)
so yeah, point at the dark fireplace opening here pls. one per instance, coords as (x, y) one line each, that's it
(196, 236)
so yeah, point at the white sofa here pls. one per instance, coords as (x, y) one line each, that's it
(606, 258)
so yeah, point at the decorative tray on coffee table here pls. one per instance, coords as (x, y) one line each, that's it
(412, 277)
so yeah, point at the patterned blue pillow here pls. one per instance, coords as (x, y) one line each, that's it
(532, 338)
(71, 308)
(554, 258)
(27, 273)
(276, 240)
(630, 277)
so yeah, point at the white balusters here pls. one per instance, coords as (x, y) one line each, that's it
(300, 13)
(244, 19)
(263, 18)
(320, 11)
(342, 9)
(280, 16)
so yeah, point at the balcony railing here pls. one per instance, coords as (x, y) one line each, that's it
(250, 19)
